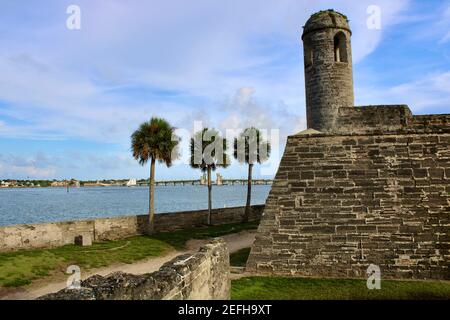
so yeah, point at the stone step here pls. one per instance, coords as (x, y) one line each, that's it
(237, 269)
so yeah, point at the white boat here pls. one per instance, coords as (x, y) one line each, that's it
(131, 183)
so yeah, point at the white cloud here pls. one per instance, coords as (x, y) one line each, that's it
(232, 64)
(430, 91)
(244, 110)
(444, 25)
(433, 91)
(12, 166)
(427, 25)
(60, 82)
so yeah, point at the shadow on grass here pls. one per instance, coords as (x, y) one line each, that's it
(239, 258)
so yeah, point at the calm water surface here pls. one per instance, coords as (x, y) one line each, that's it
(19, 206)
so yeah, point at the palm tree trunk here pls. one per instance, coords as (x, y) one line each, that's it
(151, 209)
(209, 195)
(249, 193)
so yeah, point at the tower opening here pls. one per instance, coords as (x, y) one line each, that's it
(340, 47)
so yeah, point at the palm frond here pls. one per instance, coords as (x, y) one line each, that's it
(250, 147)
(208, 150)
(155, 139)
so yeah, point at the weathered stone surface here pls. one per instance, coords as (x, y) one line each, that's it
(46, 235)
(71, 294)
(83, 240)
(380, 216)
(328, 83)
(204, 275)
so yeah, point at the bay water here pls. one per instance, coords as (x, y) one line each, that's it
(38, 205)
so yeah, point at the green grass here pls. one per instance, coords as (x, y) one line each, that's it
(22, 267)
(239, 258)
(280, 288)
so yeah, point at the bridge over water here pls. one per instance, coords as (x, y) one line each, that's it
(225, 182)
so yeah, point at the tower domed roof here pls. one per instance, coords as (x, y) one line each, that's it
(326, 19)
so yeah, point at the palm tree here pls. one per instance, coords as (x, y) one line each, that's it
(154, 141)
(208, 152)
(250, 147)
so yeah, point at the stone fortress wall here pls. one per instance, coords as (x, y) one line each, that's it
(371, 187)
(45, 235)
(204, 275)
(341, 202)
(389, 119)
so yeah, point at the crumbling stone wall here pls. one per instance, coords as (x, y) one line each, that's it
(201, 276)
(383, 119)
(44, 235)
(373, 119)
(437, 123)
(342, 202)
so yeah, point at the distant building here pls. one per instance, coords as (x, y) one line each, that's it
(219, 179)
(58, 184)
(75, 183)
(96, 184)
(64, 183)
(203, 180)
(4, 184)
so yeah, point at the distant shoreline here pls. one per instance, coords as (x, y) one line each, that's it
(121, 186)
(80, 184)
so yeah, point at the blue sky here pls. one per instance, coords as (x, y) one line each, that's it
(70, 99)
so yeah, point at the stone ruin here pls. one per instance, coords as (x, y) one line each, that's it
(204, 275)
(363, 185)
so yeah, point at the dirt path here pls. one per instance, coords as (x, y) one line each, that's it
(44, 286)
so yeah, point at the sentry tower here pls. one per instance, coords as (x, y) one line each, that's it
(328, 68)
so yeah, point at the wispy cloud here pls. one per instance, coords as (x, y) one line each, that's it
(432, 91)
(244, 111)
(444, 25)
(64, 79)
(429, 94)
(230, 64)
(13, 166)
